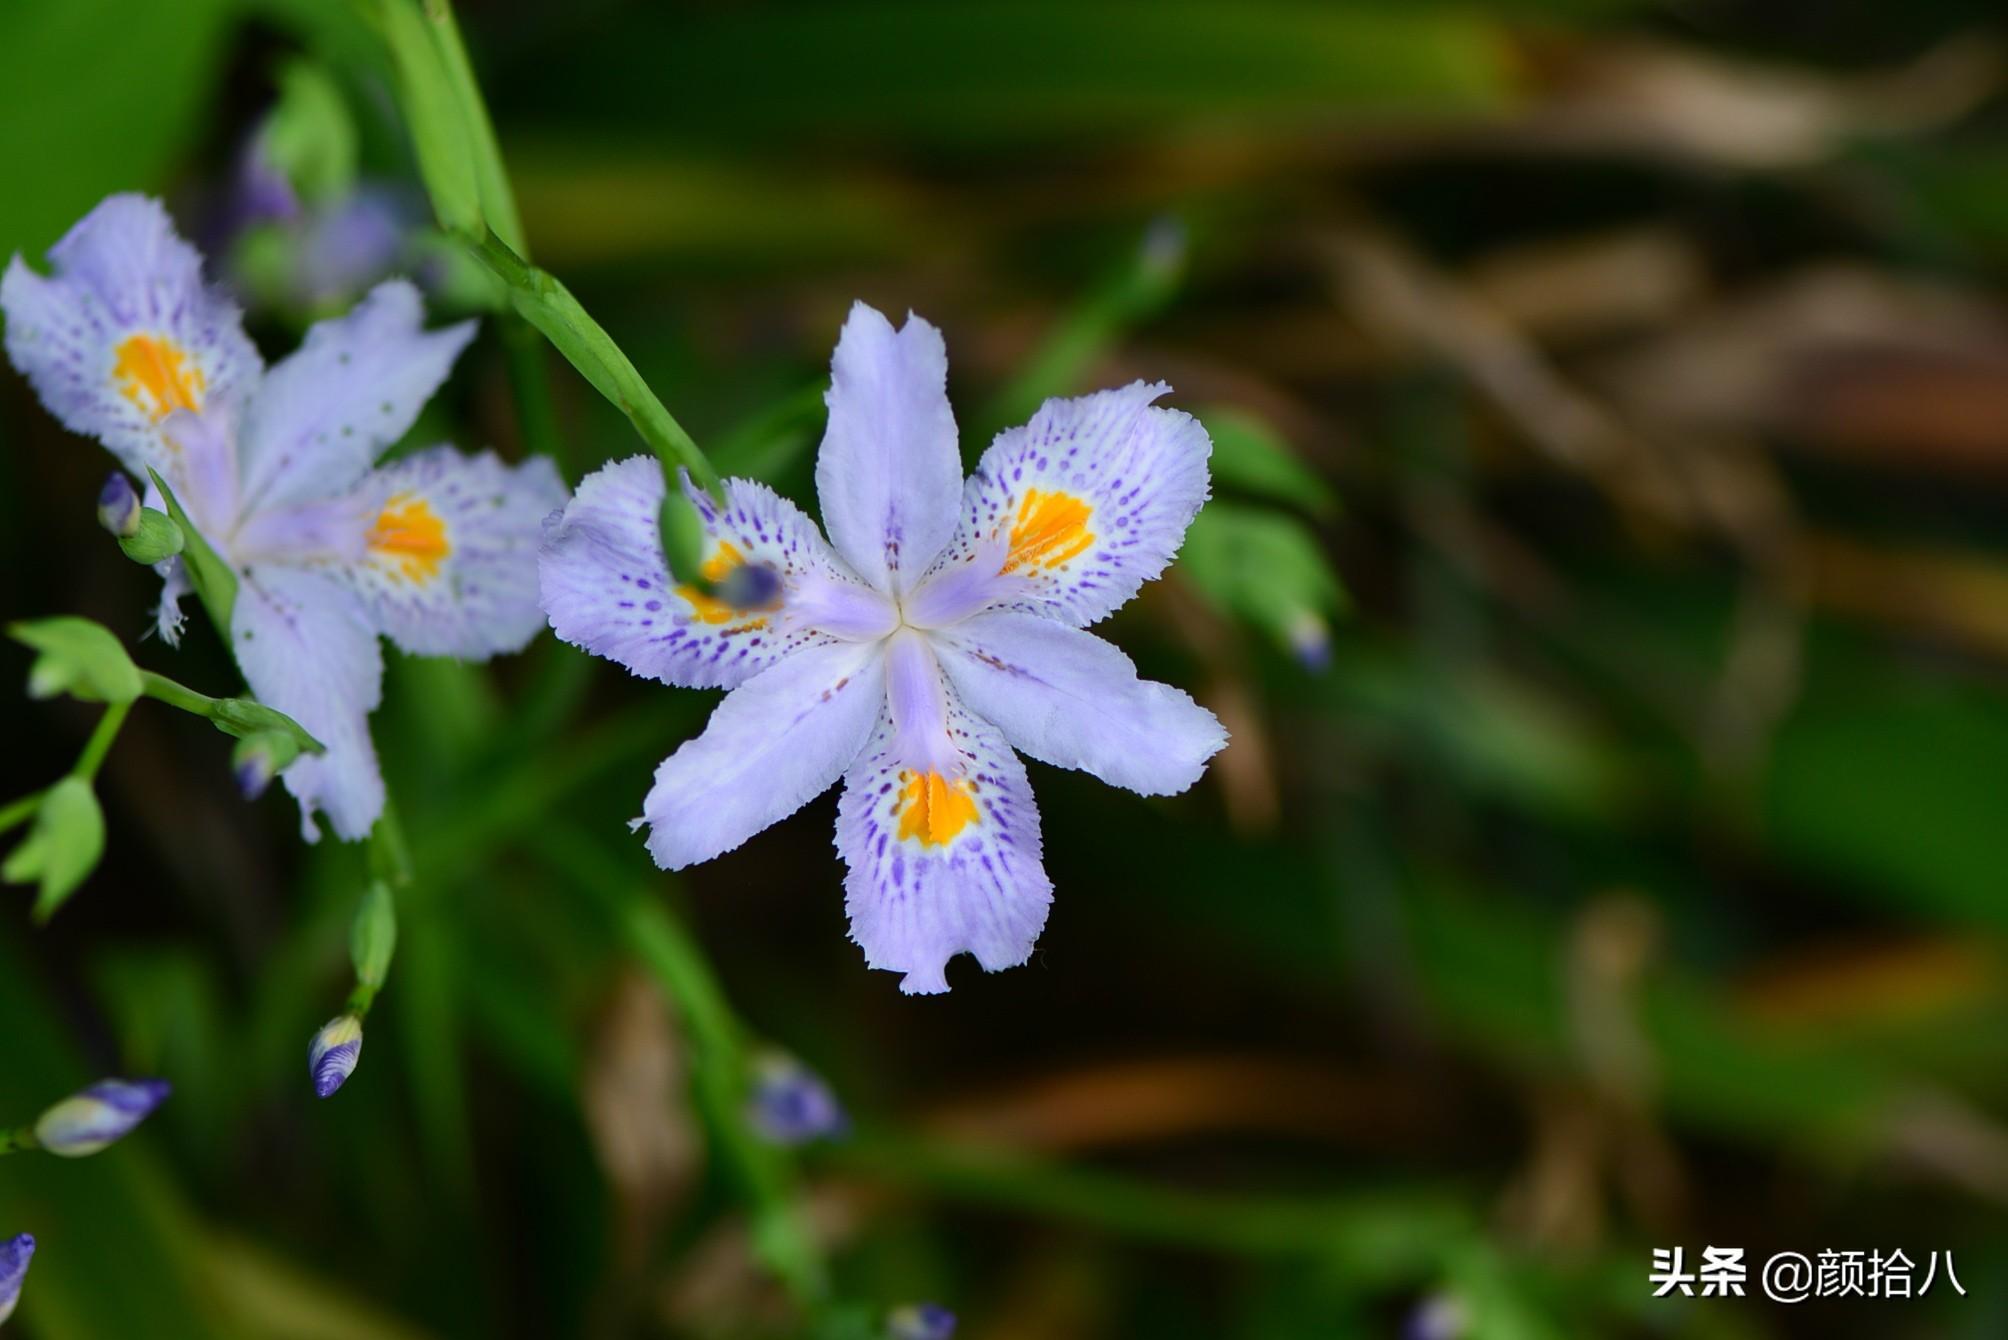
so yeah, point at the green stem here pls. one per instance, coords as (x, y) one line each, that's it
(100, 742)
(498, 202)
(1400, 1234)
(667, 949)
(15, 1141)
(389, 855)
(531, 386)
(17, 812)
(550, 307)
(162, 689)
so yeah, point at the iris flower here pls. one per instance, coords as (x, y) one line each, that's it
(276, 467)
(939, 630)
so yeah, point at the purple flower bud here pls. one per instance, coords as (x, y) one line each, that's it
(790, 1104)
(1438, 1317)
(254, 774)
(920, 1321)
(750, 586)
(118, 506)
(87, 1121)
(332, 1055)
(14, 1256)
(1311, 641)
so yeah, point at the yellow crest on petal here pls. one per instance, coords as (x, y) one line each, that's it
(1050, 529)
(157, 375)
(411, 537)
(935, 809)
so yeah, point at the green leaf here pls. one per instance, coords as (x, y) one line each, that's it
(62, 848)
(432, 113)
(117, 91)
(78, 657)
(1251, 457)
(215, 585)
(1264, 566)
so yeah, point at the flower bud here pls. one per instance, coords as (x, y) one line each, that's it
(1440, 1316)
(62, 847)
(332, 1055)
(118, 505)
(259, 758)
(1310, 640)
(155, 538)
(79, 658)
(750, 586)
(790, 1104)
(14, 1256)
(87, 1121)
(920, 1321)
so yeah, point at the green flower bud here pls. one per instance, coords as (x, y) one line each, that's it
(79, 658)
(154, 538)
(683, 538)
(62, 847)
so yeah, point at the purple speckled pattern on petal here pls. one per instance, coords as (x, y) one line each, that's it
(1140, 470)
(15, 1253)
(122, 271)
(607, 588)
(915, 904)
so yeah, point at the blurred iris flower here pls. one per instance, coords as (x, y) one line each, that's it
(939, 630)
(15, 1253)
(124, 342)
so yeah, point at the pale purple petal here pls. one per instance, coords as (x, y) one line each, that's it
(940, 866)
(1068, 698)
(123, 331)
(777, 742)
(1077, 509)
(917, 704)
(889, 476)
(607, 589)
(448, 561)
(325, 413)
(308, 648)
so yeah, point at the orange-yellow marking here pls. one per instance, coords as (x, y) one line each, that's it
(934, 809)
(412, 536)
(155, 374)
(1051, 528)
(709, 608)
